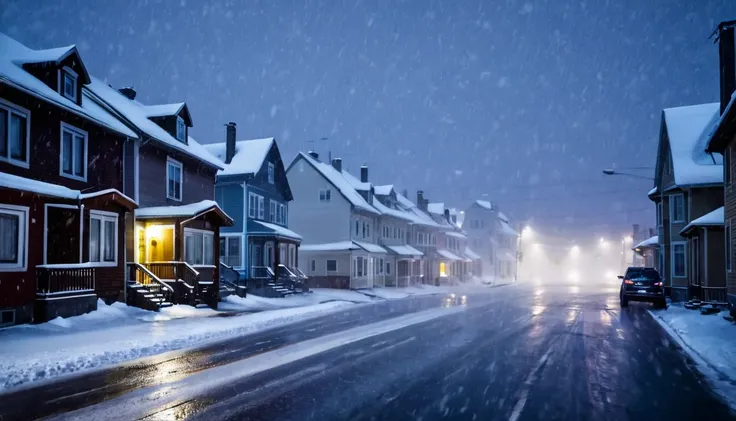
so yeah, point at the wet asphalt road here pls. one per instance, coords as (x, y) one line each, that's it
(513, 353)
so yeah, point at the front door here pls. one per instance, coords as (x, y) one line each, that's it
(159, 243)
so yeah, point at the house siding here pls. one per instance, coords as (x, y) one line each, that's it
(198, 179)
(320, 277)
(730, 219)
(231, 199)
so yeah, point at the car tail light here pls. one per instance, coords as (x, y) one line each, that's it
(658, 284)
(628, 282)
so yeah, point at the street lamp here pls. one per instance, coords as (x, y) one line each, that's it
(610, 171)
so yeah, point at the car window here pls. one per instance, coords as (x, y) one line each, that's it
(642, 273)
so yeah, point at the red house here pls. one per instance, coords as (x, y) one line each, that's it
(62, 212)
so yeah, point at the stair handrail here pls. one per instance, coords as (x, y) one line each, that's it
(153, 277)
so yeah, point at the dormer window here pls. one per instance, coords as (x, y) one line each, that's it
(270, 173)
(181, 130)
(68, 83)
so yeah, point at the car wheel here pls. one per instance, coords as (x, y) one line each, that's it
(624, 301)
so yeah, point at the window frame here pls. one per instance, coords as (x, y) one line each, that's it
(23, 213)
(685, 259)
(74, 131)
(327, 265)
(313, 265)
(729, 247)
(103, 216)
(225, 251)
(673, 207)
(271, 173)
(10, 109)
(272, 213)
(67, 71)
(181, 124)
(324, 195)
(204, 233)
(169, 163)
(660, 215)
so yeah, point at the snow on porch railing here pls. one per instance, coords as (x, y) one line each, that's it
(64, 278)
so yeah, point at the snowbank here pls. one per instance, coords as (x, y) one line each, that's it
(118, 333)
(318, 296)
(709, 340)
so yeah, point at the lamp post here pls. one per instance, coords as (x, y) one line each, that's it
(610, 171)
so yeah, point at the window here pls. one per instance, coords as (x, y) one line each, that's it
(199, 247)
(357, 228)
(363, 229)
(313, 266)
(380, 266)
(181, 130)
(103, 237)
(369, 230)
(230, 251)
(659, 214)
(73, 154)
(679, 261)
(261, 207)
(388, 268)
(14, 131)
(68, 82)
(331, 265)
(272, 211)
(174, 171)
(13, 237)
(677, 207)
(324, 195)
(256, 206)
(270, 173)
(729, 246)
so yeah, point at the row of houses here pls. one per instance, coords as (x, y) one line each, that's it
(693, 194)
(105, 197)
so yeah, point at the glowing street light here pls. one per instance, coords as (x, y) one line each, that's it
(574, 251)
(527, 232)
(603, 244)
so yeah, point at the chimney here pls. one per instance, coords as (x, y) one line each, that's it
(420, 199)
(128, 92)
(651, 232)
(314, 155)
(229, 142)
(364, 173)
(337, 164)
(725, 40)
(447, 215)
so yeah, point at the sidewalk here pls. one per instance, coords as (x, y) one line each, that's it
(709, 340)
(118, 333)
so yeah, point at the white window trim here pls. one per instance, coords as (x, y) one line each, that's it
(327, 270)
(271, 173)
(261, 208)
(227, 237)
(60, 82)
(325, 191)
(180, 121)
(12, 108)
(103, 216)
(23, 213)
(255, 210)
(672, 258)
(203, 232)
(672, 208)
(78, 131)
(273, 214)
(313, 266)
(171, 161)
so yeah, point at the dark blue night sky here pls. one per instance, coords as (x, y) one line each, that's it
(524, 101)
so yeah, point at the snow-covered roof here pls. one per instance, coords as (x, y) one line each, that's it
(338, 180)
(14, 182)
(135, 113)
(503, 217)
(384, 190)
(370, 247)
(162, 110)
(418, 216)
(471, 254)
(508, 257)
(710, 219)
(276, 229)
(484, 204)
(436, 208)
(248, 158)
(652, 191)
(14, 54)
(181, 211)
(357, 184)
(649, 242)
(507, 230)
(688, 129)
(717, 126)
(405, 250)
(396, 213)
(447, 254)
(456, 234)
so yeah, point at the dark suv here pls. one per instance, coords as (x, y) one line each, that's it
(642, 284)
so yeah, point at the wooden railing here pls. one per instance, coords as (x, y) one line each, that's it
(141, 275)
(716, 294)
(64, 278)
(174, 271)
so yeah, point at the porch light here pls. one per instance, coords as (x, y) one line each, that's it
(154, 231)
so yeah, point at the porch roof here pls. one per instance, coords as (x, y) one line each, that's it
(267, 229)
(404, 250)
(43, 188)
(183, 211)
(370, 247)
(471, 254)
(650, 242)
(711, 219)
(343, 246)
(447, 254)
(507, 257)
(456, 234)
(506, 229)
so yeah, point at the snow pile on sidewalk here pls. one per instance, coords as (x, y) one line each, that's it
(118, 333)
(391, 293)
(318, 296)
(709, 340)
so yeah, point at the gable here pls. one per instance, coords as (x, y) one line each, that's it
(280, 187)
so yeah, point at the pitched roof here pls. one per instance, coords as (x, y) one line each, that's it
(162, 110)
(181, 211)
(263, 227)
(471, 254)
(649, 242)
(339, 181)
(15, 54)
(710, 219)
(135, 113)
(506, 229)
(418, 216)
(688, 129)
(248, 158)
(437, 208)
(484, 204)
(384, 190)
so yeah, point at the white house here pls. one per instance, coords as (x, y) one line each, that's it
(492, 237)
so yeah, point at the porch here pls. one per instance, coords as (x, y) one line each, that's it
(408, 263)
(272, 260)
(175, 255)
(706, 257)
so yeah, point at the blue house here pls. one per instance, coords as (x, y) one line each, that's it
(253, 189)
